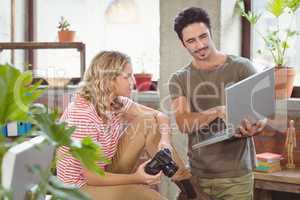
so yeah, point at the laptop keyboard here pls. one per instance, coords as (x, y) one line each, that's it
(214, 132)
(213, 135)
(214, 129)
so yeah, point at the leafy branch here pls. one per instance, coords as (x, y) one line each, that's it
(63, 24)
(17, 99)
(274, 43)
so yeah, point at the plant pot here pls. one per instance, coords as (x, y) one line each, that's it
(143, 81)
(57, 82)
(66, 36)
(284, 82)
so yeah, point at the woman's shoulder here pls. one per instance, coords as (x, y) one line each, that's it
(81, 108)
(78, 100)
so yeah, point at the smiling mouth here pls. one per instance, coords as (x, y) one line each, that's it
(201, 51)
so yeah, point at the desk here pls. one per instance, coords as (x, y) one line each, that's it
(287, 180)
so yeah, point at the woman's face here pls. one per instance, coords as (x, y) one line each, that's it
(124, 82)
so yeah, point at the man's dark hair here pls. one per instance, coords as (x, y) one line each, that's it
(189, 16)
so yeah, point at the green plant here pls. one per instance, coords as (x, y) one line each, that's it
(276, 40)
(63, 24)
(17, 99)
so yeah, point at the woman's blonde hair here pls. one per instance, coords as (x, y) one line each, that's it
(97, 86)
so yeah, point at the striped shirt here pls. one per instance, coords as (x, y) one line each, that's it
(82, 114)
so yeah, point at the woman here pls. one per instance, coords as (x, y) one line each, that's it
(102, 110)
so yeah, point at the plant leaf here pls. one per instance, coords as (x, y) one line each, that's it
(251, 16)
(291, 33)
(276, 7)
(16, 94)
(57, 133)
(89, 154)
(293, 4)
(60, 190)
(285, 45)
(4, 194)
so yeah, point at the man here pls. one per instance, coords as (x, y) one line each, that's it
(223, 170)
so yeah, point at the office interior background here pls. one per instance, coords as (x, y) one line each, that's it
(143, 29)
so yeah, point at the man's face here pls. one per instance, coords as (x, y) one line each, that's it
(197, 40)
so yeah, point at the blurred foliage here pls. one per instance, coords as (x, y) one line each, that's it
(17, 98)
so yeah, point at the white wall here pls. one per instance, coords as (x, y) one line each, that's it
(4, 21)
(5, 30)
(87, 18)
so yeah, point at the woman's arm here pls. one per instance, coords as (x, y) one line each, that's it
(140, 111)
(110, 179)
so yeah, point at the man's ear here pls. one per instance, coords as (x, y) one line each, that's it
(183, 43)
(210, 33)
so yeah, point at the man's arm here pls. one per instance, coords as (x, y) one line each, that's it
(189, 122)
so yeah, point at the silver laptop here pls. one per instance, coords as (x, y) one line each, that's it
(17, 175)
(252, 98)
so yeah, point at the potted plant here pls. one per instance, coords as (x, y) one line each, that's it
(18, 95)
(64, 34)
(277, 41)
(143, 81)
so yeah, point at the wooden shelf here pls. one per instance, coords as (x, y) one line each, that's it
(48, 45)
(41, 45)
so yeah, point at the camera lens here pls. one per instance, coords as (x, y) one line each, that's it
(169, 171)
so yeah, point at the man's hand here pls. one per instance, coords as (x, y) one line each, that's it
(220, 111)
(248, 129)
(163, 144)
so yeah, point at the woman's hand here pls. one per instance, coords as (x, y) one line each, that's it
(145, 178)
(163, 144)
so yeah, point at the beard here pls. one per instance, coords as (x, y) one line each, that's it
(201, 53)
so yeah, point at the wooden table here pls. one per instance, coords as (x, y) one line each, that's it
(287, 180)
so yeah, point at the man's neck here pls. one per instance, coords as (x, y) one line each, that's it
(212, 62)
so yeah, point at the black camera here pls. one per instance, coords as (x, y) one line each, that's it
(162, 161)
